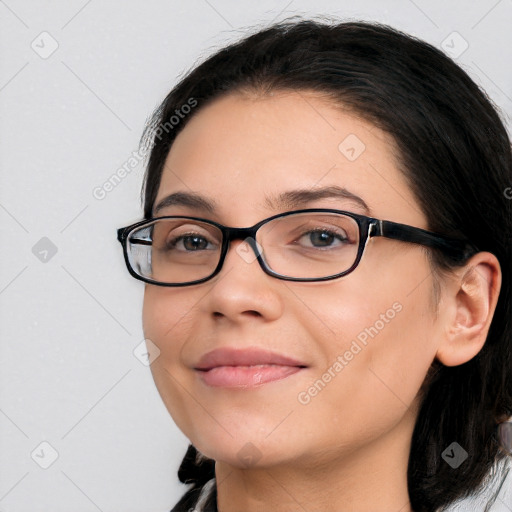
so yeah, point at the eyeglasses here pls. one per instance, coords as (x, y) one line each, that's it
(303, 245)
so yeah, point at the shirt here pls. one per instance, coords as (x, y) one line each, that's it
(206, 499)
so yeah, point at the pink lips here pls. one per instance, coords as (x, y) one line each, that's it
(244, 368)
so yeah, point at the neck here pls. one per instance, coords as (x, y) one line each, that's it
(370, 478)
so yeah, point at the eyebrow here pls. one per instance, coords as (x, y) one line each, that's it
(286, 200)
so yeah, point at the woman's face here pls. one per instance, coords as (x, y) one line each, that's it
(364, 341)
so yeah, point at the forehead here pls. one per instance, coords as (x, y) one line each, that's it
(241, 150)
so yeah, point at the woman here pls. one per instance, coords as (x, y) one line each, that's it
(349, 349)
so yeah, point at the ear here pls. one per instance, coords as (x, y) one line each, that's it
(471, 295)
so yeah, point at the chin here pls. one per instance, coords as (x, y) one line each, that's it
(247, 448)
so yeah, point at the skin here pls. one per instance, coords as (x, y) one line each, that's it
(347, 449)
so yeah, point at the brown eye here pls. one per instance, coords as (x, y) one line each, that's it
(189, 243)
(322, 238)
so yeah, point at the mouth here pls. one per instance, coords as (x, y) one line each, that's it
(245, 368)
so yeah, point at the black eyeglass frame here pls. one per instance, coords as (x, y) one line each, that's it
(457, 249)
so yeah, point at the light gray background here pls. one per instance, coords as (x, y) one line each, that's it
(70, 321)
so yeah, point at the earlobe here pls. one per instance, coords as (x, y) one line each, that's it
(473, 293)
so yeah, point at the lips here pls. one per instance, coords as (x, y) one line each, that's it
(243, 357)
(245, 368)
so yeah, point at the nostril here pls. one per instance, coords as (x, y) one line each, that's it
(252, 312)
(249, 312)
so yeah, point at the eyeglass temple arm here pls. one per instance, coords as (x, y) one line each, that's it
(457, 249)
(121, 237)
(140, 241)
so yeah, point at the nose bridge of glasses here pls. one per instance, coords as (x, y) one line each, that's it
(247, 235)
(240, 233)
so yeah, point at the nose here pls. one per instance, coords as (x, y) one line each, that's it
(242, 289)
(248, 249)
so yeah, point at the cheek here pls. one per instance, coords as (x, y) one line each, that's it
(377, 349)
(166, 322)
(166, 318)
